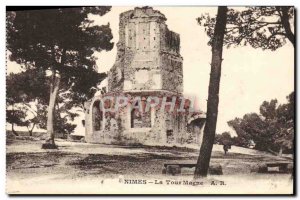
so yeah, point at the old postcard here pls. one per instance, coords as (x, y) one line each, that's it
(150, 100)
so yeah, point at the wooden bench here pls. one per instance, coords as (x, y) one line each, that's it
(277, 167)
(175, 168)
(181, 165)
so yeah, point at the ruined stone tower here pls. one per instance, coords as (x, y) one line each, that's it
(148, 63)
(148, 54)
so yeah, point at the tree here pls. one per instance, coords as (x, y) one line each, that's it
(27, 99)
(272, 130)
(253, 127)
(265, 27)
(213, 94)
(60, 42)
(242, 142)
(285, 119)
(15, 117)
(224, 138)
(218, 139)
(61, 120)
(251, 26)
(23, 89)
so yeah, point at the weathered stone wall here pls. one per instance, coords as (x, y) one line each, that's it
(148, 55)
(166, 127)
(172, 73)
(148, 63)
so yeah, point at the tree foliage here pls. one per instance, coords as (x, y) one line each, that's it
(23, 89)
(261, 27)
(62, 120)
(16, 117)
(45, 38)
(271, 130)
(266, 27)
(61, 43)
(224, 139)
(27, 86)
(27, 97)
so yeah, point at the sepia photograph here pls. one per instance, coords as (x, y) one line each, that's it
(150, 100)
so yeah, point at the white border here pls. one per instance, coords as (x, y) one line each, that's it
(114, 3)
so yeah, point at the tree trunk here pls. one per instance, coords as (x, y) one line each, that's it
(284, 16)
(13, 129)
(50, 143)
(280, 151)
(213, 95)
(30, 133)
(31, 130)
(272, 152)
(13, 124)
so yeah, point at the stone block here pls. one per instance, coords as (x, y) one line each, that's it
(173, 169)
(188, 171)
(215, 169)
(259, 168)
(290, 168)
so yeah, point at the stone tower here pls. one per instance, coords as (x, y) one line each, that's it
(148, 55)
(148, 63)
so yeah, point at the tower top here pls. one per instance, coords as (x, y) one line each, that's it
(143, 12)
(148, 56)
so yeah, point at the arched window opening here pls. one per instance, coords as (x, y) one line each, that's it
(140, 119)
(97, 116)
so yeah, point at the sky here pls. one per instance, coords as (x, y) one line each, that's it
(249, 76)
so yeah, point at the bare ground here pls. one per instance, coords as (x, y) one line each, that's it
(28, 164)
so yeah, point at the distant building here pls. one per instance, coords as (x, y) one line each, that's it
(148, 63)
